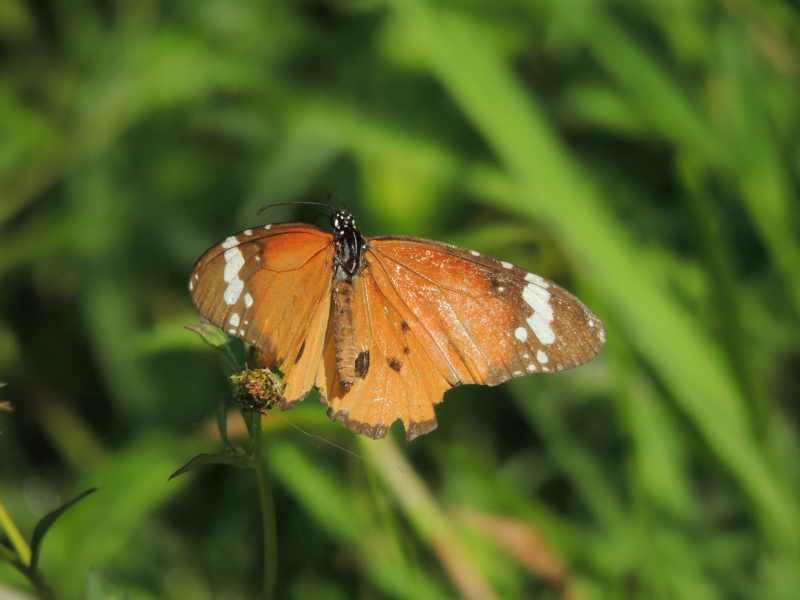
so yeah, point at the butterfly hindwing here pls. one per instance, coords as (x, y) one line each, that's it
(271, 287)
(392, 377)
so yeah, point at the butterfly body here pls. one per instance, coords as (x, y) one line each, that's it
(383, 326)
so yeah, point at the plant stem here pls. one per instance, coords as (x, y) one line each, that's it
(42, 589)
(14, 535)
(267, 506)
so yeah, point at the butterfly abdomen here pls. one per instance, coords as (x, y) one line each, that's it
(350, 363)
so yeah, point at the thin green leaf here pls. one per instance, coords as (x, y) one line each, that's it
(225, 457)
(217, 339)
(211, 334)
(47, 521)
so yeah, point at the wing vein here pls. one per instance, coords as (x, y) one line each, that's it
(423, 276)
(446, 250)
(452, 313)
(453, 371)
(208, 258)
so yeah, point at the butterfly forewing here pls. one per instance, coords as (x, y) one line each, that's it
(271, 287)
(491, 320)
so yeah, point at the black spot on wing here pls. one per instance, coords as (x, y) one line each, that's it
(395, 364)
(362, 364)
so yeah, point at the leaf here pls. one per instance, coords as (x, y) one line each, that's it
(211, 334)
(219, 340)
(134, 488)
(47, 521)
(225, 457)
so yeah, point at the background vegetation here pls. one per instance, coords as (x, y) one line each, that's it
(642, 153)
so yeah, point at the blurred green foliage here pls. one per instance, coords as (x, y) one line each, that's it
(643, 153)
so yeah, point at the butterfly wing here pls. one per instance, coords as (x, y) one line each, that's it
(491, 320)
(270, 286)
(449, 316)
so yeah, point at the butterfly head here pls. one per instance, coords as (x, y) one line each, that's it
(342, 221)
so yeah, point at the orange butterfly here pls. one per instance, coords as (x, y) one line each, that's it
(383, 326)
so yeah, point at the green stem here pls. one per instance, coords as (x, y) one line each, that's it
(267, 506)
(14, 535)
(42, 589)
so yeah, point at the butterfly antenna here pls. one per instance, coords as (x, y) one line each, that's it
(298, 203)
(319, 438)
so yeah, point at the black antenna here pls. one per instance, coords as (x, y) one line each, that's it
(274, 204)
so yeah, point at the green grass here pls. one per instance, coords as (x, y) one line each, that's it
(643, 154)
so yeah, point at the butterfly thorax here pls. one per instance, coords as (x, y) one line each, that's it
(350, 246)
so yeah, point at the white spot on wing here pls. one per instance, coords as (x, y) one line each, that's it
(191, 285)
(268, 227)
(230, 242)
(540, 321)
(517, 373)
(234, 261)
(534, 278)
(248, 300)
(234, 319)
(248, 232)
(232, 292)
(531, 368)
(542, 357)
(506, 265)
(474, 253)
(521, 334)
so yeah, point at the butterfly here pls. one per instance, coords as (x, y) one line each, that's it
(384, 326)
